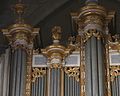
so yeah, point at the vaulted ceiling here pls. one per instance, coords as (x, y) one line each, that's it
(45, 14)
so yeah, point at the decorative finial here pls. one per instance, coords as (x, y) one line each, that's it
(56, 34)
(19, 9)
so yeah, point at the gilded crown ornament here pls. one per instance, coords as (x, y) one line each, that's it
(56, 52)
(56, 33)
(20, 33)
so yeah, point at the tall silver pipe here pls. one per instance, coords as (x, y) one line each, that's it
(36, 87)
(18, 71)
(88, 69)
(42, 86)
(2, 62)
(114, 88)
(66, 85)
(23, 72)
(59, 82)
(49, 82)
(78, 83)
(71, 87)
(1, 75)
(119, 85)
(55, 82)
(11, 74)
(116, 85)
(39, 86)
(52, 83)
(94, 66)
(45, 83)
(101, 68)
(14, 74)
(112, 93)
(75, 88)
(55, 77)
(32, 89)
(6, 73)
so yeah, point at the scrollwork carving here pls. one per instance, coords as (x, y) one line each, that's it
(38, 72)
(92, 32)
(73, 71)
(114, 72)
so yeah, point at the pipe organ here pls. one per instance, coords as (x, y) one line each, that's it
(89, 65)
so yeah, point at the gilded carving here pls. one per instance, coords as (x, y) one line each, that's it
(38, 72)
(108, 93)
(114, 42)
(20, 34)
(92, 32)
(28, 72)
(71, 41)
(73, 71)
(56, 33)
(114, 72)
(82, 68)
(93, 19)
(113, 45)
(55, 66)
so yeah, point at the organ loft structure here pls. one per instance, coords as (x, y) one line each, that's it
(88, 65)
